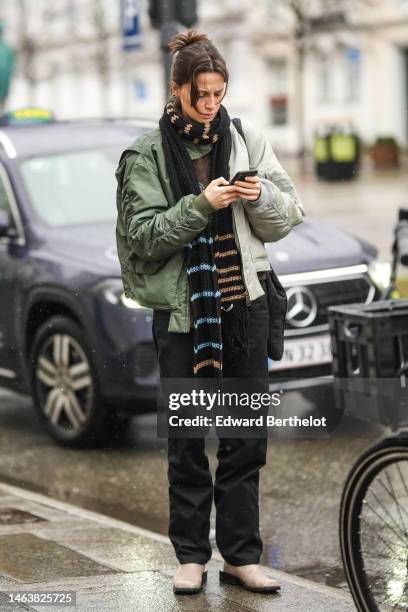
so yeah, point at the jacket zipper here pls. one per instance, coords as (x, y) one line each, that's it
(248, 301)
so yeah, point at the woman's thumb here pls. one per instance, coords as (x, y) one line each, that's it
(221, 181)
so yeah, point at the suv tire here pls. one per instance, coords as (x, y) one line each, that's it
(65, 388)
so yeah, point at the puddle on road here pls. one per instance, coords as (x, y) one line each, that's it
(331, 576)
(116, 511)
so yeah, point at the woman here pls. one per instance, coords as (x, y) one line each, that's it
(191, 247)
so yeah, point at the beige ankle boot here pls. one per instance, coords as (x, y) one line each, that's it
(189, 578)
(250, 577)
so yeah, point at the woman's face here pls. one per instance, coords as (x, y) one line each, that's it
(211, 88)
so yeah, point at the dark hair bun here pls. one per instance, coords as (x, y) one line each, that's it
(178, 42)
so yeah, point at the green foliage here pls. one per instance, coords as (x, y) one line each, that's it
(386, 140)
(6, 68)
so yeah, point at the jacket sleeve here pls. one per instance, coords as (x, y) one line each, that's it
(278, 208)
(155, 230)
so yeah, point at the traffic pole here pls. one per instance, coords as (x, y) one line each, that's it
(169, 28)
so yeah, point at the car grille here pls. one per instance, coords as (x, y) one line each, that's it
(331, 293)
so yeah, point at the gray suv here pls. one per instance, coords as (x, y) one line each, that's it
(69, 336)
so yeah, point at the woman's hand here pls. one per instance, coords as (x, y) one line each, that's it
(250, 189)
(220, 194)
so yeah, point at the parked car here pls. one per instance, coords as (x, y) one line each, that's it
(69, 336)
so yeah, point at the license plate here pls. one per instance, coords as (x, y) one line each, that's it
(302, 353)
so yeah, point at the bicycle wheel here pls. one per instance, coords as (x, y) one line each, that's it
(374, 527)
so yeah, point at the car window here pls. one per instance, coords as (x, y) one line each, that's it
(72, 188)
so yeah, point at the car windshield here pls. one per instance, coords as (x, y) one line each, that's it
(72, 188)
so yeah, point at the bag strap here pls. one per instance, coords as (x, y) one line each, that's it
(238, 126)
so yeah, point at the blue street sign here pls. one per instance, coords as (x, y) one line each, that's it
(130, 12)
(139, 88)
(354, 55)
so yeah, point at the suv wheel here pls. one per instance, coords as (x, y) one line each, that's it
(65, 388)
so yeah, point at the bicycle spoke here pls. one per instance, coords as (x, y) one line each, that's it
(377, 534)
(374, 539)
(381, 580)
(404, 484)
(384, 563)
(382, 505)
(395, 500)
(382, 519)
(379, 585)
(382, 557)
(405, 591)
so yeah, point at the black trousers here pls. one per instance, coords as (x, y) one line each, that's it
(236, 485)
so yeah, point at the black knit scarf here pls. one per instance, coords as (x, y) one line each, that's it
(213, 262)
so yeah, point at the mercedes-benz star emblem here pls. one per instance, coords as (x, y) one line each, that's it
(302, 307)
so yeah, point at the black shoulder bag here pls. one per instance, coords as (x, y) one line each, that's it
(276, 295)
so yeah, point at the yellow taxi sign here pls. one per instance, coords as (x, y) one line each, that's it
(27, 116)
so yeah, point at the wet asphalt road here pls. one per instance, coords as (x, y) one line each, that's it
(367, 207)
(300, 485)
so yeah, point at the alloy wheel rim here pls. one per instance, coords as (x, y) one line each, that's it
(64, 383)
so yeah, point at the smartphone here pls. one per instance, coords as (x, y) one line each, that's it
(240, 176)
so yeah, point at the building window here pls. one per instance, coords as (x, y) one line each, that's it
(278, 99)
(279, 106)
(352, 61)
(324, 78)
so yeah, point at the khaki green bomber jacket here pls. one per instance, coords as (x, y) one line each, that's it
(152, 228)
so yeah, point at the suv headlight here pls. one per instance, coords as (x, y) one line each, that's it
(113, 293)
(379, 271)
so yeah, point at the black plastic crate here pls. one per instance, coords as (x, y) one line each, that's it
(370, 352)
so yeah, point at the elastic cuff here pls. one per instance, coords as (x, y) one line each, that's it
(264, 196)
(202, 205)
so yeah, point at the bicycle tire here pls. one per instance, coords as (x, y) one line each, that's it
(364, 471)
